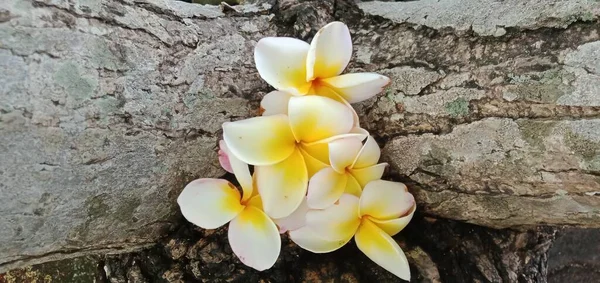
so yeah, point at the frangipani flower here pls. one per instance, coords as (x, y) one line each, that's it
(383, 209)
(211, 203)
(294, 68)
(353, 165)
(285, 148)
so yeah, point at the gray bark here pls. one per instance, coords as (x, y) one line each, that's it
(108, 108)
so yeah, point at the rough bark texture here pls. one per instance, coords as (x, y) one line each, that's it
(108, 108)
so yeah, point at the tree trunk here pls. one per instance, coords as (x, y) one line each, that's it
(108, 108)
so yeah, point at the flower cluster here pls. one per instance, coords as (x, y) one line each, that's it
(316, 173)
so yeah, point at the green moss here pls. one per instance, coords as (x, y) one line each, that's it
(545, 86)
(96, 206)
(534, 132)
(124, 212)
(583, 147)
(78, 87)
(76, 270)
(217, 2)
(458, 107)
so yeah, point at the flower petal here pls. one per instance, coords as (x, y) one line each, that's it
(255, 201)
(325, 188)
(313, 165)
(209, 203)
(321, 89)
(260, 140)
(223, 158)
(330, 51)
(254, 239)
(310, 241)
(368, 155)
(282, 185)
(337, 222)
(352, 186)
(394, 226)
(295, 220)
(275, 102)
(368, 174)
(240, 170)
(281, 62)
(343, 152)
(382, 249)
(319, 151)
(357, 87)
(313, 118)
(385, 200)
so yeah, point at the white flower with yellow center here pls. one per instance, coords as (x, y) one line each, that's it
(353, 165)
(383, 210)
(211, 203)
(286, 148)
(295, 68)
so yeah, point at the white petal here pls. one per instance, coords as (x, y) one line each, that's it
(223, 158)
(382, 249)
(321, 89)
(282, 186)
(330, 51)
(254, 239)
(369, 154)
(325, 188)
(337, 222)
(394, 226)
(343, 152)
(260, 140)
(385, 200)
(275, 102)
(209, 203)
(295, 220)
(313, 118)
(281, 62)
(308, 240)
(357, 87)
(368, 174)
(240, 170)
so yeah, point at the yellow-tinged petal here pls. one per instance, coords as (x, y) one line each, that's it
(337, 222)
(295, 220)
(275, 102)
(357, 87)
(394, 226)
(281, 62)
(368, 155)
(260, 140)
(319, 151)
(368, 174)
(282, 186)
(330, 51)
(321, 89)
(240, 170)
(313, 165)
(382, 249)
(308, 240)
(254, 238)
(325, 188)
(255, 201)
(352, 186)
(343, 152)
(314, 118)
(209, 203)
(385, 200)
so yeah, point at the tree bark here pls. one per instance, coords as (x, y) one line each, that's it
(110, 107)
